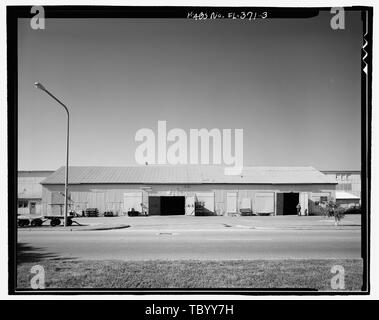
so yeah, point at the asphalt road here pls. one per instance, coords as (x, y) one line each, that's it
(226, 244)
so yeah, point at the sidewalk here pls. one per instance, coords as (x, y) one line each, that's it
(194, 223)
(240, 223)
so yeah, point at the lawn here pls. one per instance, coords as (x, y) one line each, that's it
(311, 274)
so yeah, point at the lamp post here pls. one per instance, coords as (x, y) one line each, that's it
(41, 87)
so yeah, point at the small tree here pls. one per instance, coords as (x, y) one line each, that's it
(332, 209)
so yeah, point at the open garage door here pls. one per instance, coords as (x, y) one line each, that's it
(166, 205)
(172, 205)
(290, 202)
(286, 203)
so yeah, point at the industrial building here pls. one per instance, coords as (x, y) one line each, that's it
(347, 200)
(348, 180)
(29, 191)
(348, 189)
(189, 190)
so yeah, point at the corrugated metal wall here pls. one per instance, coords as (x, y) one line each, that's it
(111, 196)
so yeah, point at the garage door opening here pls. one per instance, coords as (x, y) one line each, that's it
(166, 205)
(290, 201)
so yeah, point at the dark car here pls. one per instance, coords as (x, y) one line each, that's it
(92, 212)
(108, 214)
(133, 213)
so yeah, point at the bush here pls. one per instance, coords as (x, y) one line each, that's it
(332, 209)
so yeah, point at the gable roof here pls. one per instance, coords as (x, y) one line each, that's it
(180, 174)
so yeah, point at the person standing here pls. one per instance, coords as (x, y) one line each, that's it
(298, 209)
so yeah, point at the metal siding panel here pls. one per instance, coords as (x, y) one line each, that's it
(190, 205)
(264, 202)
(132, 200)
(231, 202)
(303, 199)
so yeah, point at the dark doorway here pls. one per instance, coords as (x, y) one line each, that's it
(166, 205)
(154, 206)
(290, 201)
(172, 205)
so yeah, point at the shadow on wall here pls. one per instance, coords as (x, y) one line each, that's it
(201, 210)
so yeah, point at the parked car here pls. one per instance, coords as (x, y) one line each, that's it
(133, 213)
(92, 212)
(108, 214)
(247, 212)
(354, 210)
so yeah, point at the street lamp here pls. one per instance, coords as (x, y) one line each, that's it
(41, 87)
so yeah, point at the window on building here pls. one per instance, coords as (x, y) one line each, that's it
(22, 203)
(323, 198)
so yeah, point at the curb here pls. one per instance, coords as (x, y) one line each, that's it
(79, 228)
(308, 228)
(123, 226)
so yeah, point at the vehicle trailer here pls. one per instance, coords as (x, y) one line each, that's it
(37, 222)
(56, 220)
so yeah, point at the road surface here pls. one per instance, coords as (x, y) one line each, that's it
(225, 244)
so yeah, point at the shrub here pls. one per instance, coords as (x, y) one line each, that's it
(332, 209)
